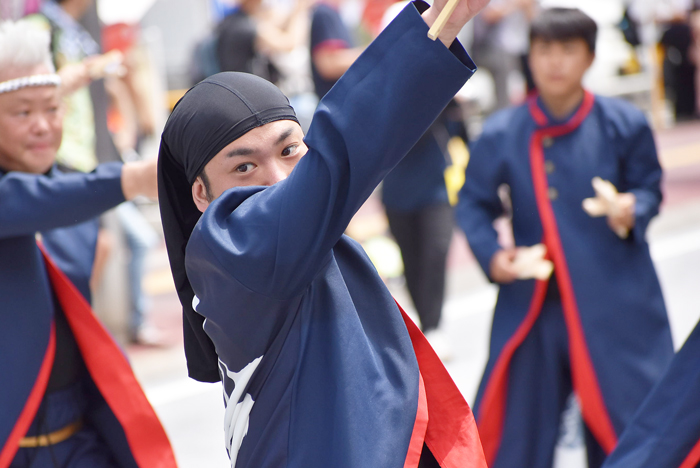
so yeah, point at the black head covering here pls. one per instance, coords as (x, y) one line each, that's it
(209, 117)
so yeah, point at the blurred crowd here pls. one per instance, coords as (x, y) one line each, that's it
(278, 41)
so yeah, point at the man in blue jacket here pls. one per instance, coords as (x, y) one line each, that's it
(598, 326)
(69, 398)
(318, 364)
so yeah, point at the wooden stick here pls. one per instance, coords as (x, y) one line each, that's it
(442, 18)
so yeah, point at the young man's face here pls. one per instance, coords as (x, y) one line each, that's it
(263, 157)
(31, 124)
(558, 66)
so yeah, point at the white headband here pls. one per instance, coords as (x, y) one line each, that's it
(26, 81)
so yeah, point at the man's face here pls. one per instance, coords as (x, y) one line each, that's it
(262, 157)
(558, 66)
(31, 124)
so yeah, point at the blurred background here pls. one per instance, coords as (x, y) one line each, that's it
(648, 52)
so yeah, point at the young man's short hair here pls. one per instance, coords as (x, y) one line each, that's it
(564, 24)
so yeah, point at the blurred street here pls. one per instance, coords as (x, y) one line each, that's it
(193, 412)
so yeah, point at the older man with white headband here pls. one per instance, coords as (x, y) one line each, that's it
(69, 398)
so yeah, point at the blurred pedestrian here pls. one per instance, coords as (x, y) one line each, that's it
(247, 36)
(421, 219)
(695, 50)
(679, 67)
(598, 326)
(132, 120)
(70, 398)
(501, 43)
(319, 366)
(332, 47)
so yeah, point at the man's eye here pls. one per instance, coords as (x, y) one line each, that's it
(243, 168)
(290, 150)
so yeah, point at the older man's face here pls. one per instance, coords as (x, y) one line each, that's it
(31, 124)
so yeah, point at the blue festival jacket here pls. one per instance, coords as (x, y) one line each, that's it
(316, 359)
(665, 431)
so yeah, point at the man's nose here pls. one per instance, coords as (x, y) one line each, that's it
(42, 124)
(275, 172)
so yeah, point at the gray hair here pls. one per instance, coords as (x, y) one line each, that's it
(24, 44)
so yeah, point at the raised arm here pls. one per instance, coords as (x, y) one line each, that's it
(278, 239)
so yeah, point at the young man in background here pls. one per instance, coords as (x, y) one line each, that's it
(598, 325)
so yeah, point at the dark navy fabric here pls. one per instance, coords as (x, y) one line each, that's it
(313, 350)
(419, 180)
(615, 285)
(73, 250)
(29, 204)
(532, 424)
(327, 30)
(667, 425)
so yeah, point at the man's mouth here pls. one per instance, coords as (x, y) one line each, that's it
(39, 146)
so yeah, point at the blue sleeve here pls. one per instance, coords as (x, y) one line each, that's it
(276, 240)
(31, 203)
(327, 25)
(642, 175)
(479, 204)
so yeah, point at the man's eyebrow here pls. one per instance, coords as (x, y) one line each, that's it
(248, 151)
(286, 134)
(240, 152)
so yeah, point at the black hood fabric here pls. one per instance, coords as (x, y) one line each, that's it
(208, 118)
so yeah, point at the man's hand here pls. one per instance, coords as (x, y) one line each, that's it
(463, 12)
(140, 178)
(501, 267)
(621, 221)
(618, 207)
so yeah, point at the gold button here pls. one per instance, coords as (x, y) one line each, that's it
(549, 166)
(553, 193)
(547, 142)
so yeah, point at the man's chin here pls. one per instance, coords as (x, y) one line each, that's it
(40, 163)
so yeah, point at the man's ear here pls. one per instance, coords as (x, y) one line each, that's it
(591, 59)
(199, 194)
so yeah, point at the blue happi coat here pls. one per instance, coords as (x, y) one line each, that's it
(317, 363)
(60, 207)
(617, 330)
(665, 431)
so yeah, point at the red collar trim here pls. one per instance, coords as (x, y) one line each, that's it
(541, 119)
